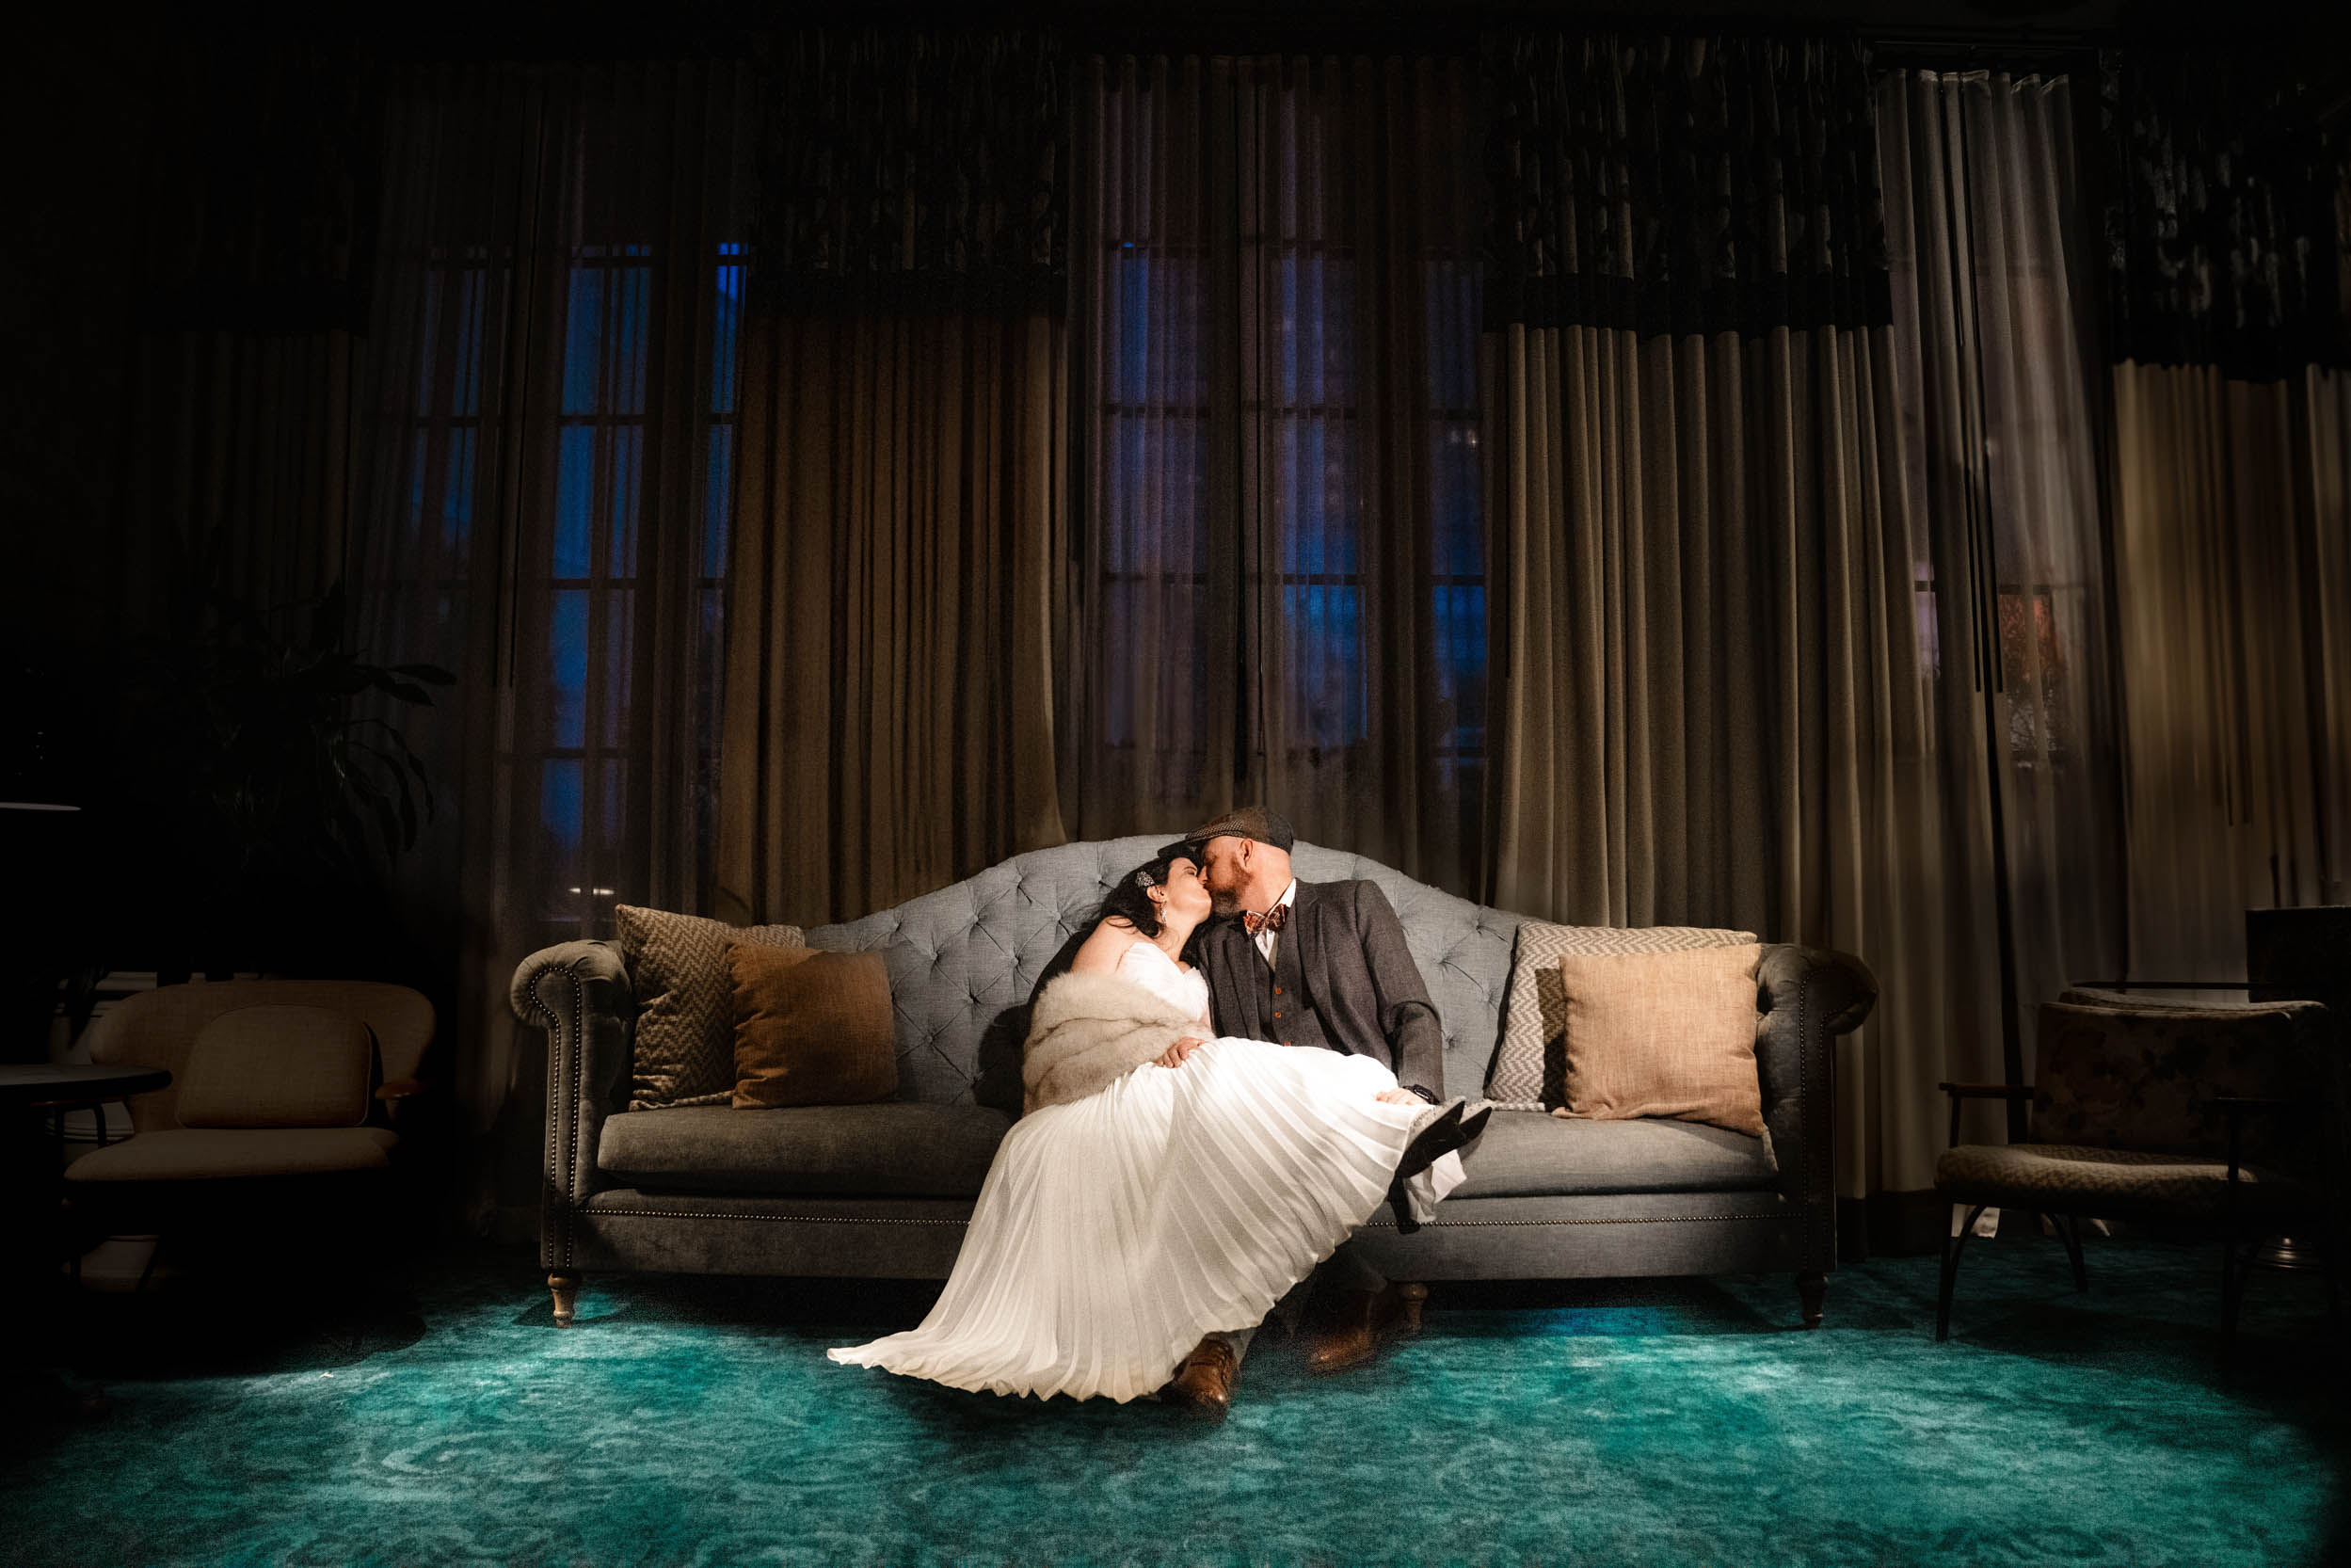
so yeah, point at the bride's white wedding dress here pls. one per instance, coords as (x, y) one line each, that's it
(1114, 1231)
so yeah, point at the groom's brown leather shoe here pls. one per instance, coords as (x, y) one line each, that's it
(1204, 1384)
(1353, 1336)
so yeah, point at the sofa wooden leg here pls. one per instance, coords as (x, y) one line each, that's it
(1415, 1296)
(565, 1288)
(1811, 1290)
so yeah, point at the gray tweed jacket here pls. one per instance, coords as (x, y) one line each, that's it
(1351, 969)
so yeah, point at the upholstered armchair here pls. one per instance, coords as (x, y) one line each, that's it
(283, 1091)
(2214, 1119)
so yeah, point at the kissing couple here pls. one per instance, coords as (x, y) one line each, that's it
(1237, 1070)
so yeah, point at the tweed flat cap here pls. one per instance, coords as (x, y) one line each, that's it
(1250, 822)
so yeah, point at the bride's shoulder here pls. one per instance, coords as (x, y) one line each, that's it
(1105, 947)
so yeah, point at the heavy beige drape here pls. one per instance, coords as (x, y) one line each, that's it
(1712, 709)
(889, 700)
(2233, 571)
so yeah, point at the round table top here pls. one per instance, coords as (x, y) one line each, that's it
(25, 1082)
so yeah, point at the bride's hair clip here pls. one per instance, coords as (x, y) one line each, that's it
(1144, 879)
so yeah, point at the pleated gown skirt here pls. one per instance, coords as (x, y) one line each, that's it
(1113, 1232)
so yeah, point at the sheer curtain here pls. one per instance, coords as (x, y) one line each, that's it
(551, 389)
(1281, 580)
(1999, 464)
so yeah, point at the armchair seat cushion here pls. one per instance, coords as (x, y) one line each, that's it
(893, 1149)
(1531, 1154)
(2071, 1176)
(224, 1153)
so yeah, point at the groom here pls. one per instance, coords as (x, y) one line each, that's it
(1307, 963)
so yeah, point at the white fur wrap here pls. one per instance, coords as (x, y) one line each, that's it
(1087, 1031)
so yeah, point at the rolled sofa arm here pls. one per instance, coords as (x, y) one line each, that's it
(1812, 996)
(578, 993)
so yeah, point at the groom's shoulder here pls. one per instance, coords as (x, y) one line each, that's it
(1354, 893)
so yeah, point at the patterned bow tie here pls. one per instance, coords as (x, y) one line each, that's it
(1272, 920)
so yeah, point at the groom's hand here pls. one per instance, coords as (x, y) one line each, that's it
(1174, 1055)
(1398, 1097)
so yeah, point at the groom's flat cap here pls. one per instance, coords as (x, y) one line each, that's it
(1250, 822)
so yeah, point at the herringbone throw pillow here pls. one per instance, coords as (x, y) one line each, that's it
(1530, 1066)
(685, 1047)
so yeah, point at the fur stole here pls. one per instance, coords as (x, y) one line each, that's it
(1087, 1031)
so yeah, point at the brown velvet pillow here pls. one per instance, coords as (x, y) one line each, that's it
(1664, 1034)
(811, 1027)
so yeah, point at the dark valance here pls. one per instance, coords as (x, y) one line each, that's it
(1684, 185)
(911, 169)
(2223, 227)
(260, 187)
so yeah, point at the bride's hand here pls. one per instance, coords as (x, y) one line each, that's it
(1174, 1055)
(1398, 1097)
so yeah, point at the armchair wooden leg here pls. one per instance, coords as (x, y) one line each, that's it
(1952, 1245)
(565, 1288)
(2068, 1229)
(1812, 1290)
(1415, 1296)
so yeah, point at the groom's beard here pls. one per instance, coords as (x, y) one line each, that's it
(1224, 902)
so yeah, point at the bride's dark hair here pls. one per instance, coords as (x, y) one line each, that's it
(1129, 898)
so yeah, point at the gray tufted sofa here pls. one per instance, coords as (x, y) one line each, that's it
(883, 1191)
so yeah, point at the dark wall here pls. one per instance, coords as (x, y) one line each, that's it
(76, 123)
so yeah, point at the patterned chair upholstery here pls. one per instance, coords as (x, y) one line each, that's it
(2149, 1112)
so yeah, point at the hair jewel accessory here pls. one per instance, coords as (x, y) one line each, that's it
(1144, 879)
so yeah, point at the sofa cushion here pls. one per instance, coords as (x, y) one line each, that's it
(685, 1028)
(900, 1149)
(1530, 1065)
(279, 1067)
(1664, 1034)
(218, 1154)
(1529, 1154)
(811, 1027)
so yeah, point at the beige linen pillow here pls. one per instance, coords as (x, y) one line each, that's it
(1664, 1034)
(1531, 1065)
(685, 1036)
(277, 1066)
(811, 1027)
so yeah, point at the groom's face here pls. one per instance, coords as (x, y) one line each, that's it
(1224, 866)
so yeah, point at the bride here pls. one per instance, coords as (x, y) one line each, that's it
(1162, 1185)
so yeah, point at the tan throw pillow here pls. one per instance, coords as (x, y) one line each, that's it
(685, 1034)
(279, 1067)
(811, 1027)
(1664, 1034)
(1530, 1065)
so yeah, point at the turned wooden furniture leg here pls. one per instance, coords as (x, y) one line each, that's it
(565, 1288)
(1813, 1289)
(1415, 1296)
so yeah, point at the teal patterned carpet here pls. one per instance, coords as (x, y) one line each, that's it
(1652, 1422)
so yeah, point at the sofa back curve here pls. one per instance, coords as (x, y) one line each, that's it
(964, 960)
